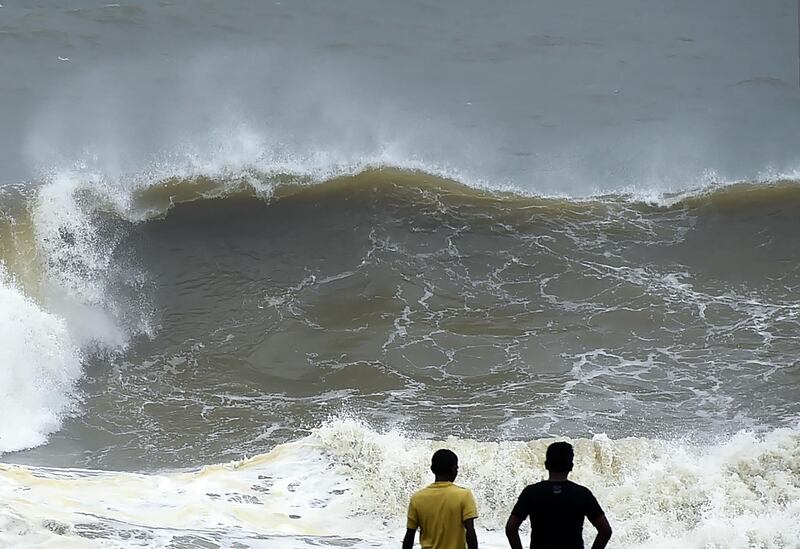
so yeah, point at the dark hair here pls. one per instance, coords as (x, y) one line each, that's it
(443, 462)
(559, 457)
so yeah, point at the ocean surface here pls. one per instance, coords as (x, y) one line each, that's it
(258, 260)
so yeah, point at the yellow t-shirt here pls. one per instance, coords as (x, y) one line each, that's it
(439, 511)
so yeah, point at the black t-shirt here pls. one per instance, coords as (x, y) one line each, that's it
(556, 508)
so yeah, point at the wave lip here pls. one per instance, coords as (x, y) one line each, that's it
(155, 197)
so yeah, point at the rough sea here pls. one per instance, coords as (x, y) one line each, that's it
(258, 260)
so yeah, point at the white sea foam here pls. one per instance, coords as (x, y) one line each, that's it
(348, 481)
(39, 365)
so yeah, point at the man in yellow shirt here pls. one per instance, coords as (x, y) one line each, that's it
(444, 513)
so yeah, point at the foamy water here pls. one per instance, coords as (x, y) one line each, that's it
(41, 364)
(347, 485)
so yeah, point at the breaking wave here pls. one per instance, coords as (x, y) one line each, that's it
(70, 287)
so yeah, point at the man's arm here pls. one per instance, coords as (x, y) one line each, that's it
(412, 523)
(472, 537)
(408, 540)
(512, 531)
(603, 531)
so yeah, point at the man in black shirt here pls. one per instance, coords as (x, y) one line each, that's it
(556, 507)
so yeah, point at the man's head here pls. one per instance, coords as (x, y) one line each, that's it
(559, 457)
(444, 464)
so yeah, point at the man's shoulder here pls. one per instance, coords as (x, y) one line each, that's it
(420, 492)
(432, 489)
(458, 492)
(535, 487)
(579, 488)
(546, 486)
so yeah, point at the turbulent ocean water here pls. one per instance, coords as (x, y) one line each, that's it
(259, 260)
